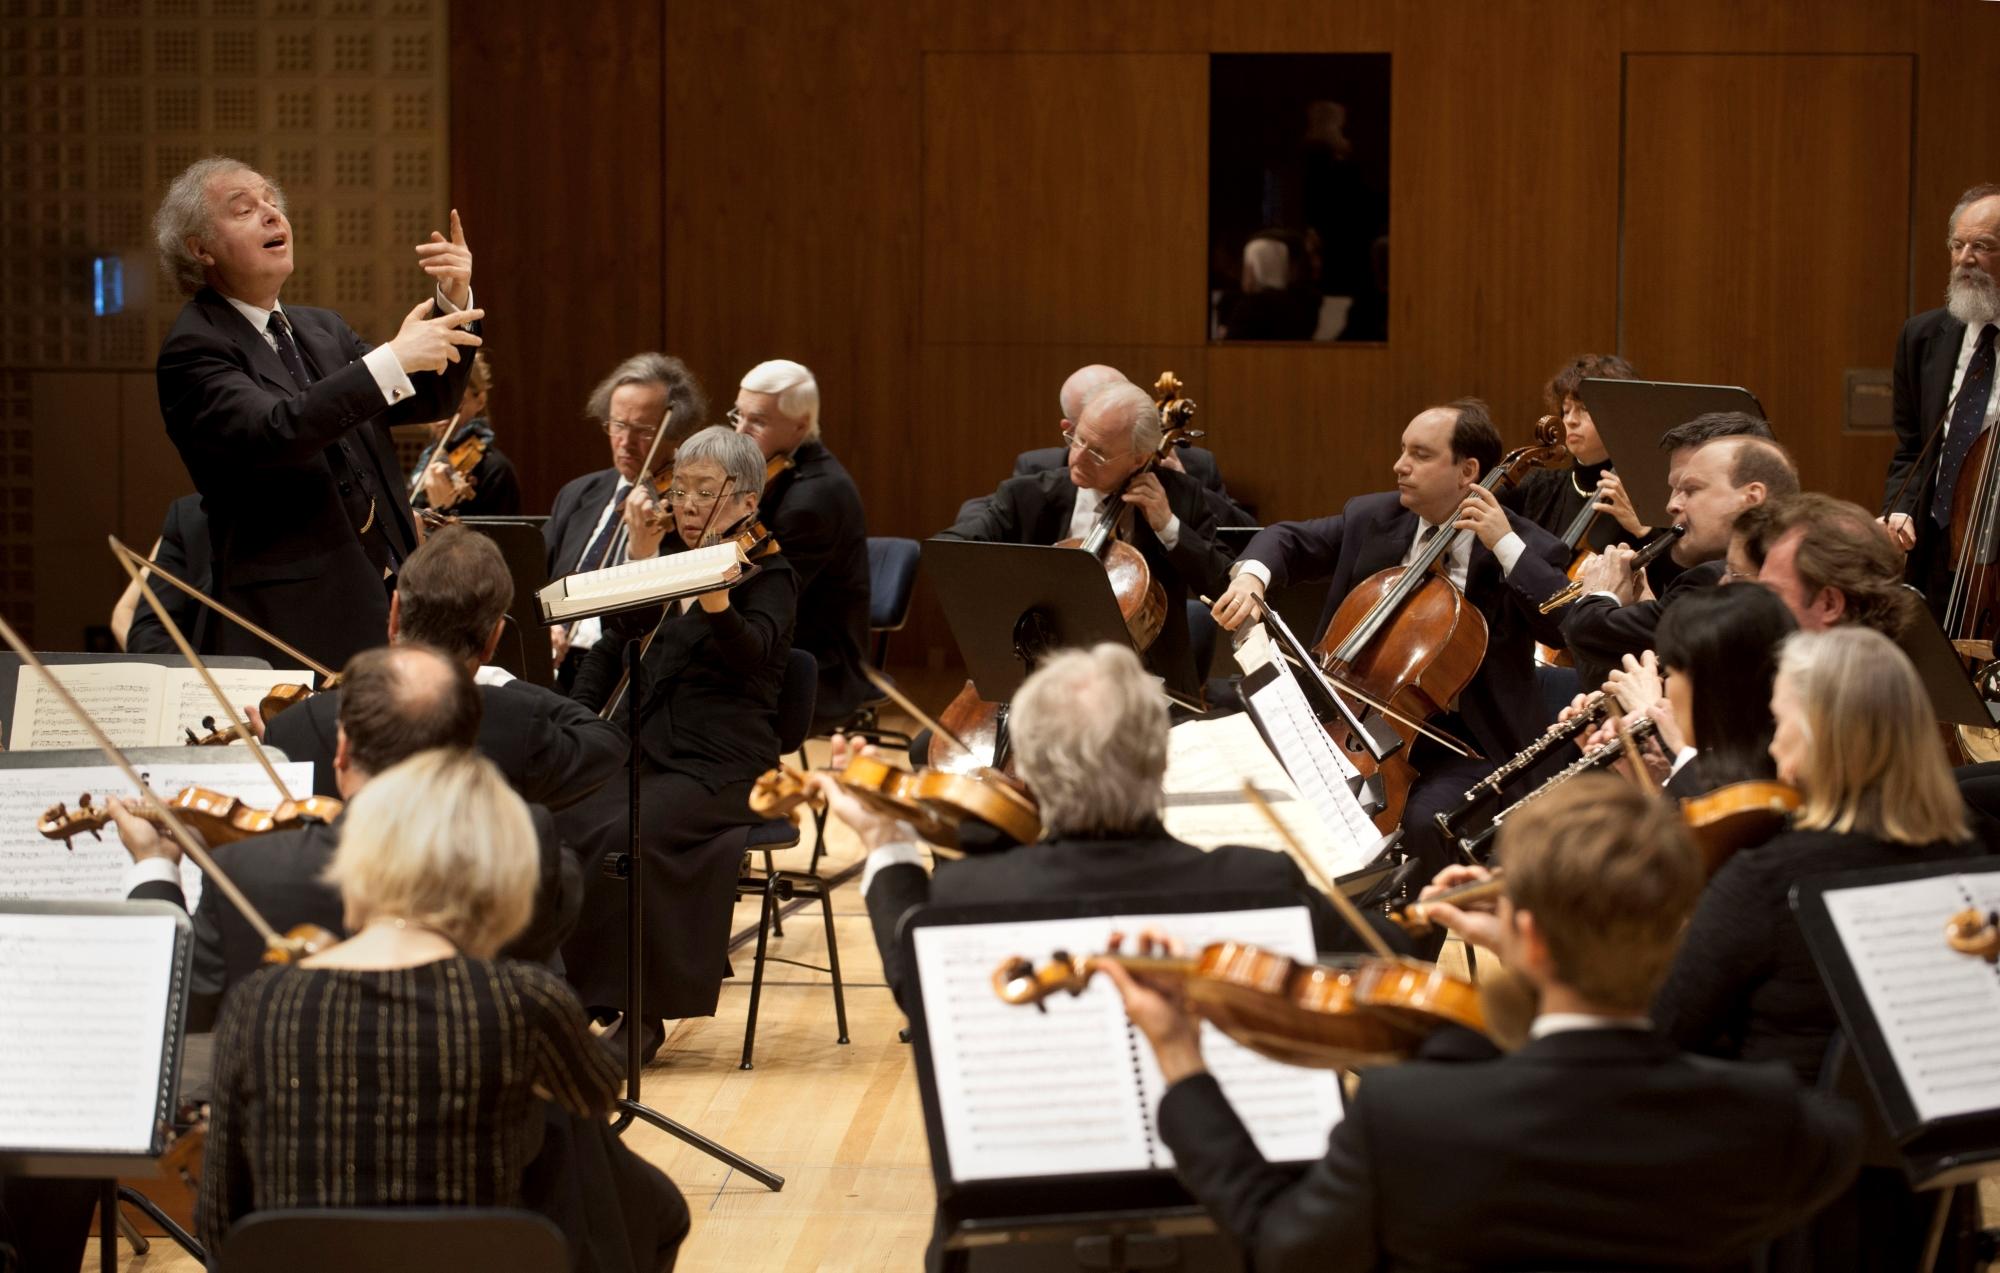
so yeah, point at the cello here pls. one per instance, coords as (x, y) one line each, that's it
(1142, 601)
(1406, 643)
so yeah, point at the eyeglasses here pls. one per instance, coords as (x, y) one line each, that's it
(616, 427)
(1984, 249)
(691, 499)
(737, 420)
(1069, 439)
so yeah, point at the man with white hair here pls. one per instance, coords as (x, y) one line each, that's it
(1944, 393)
(1173, 526)
(282, 415)
(814, 508)
(1090, 740)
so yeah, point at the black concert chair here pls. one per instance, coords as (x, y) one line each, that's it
(460, 1240)
(775, 887)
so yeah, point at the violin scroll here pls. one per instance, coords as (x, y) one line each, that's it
(1970, 933)
(1019, 982)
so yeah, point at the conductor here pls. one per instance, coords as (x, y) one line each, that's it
(282, 415)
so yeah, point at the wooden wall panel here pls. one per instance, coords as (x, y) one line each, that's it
(1065, 198)
(556, 117)
(1767, 227)
(1958, 128)
(1063, 26)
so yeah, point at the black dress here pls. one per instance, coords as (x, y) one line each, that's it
(413, 1087)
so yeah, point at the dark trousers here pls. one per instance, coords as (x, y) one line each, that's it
(47, 1221)
(618, 1213)
(690, 893)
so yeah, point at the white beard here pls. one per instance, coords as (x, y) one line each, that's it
(1973, 297)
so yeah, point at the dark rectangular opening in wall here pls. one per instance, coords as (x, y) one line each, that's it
(1298, 196)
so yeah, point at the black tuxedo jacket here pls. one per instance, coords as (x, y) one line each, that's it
(183, 554)
(573, 517)
(1037, 510)
(1600, 633)
(288, 478)
(1502, 706)
(1198, 461)
(1591, 1149)
(1150, 862)
(552, 751)
(815, 511)
(280, 874)
(708, 704)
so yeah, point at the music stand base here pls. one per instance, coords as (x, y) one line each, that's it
(630, 1110)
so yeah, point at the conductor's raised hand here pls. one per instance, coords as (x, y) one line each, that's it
(449, 261)
(432, 344)
(1480, 513)
(1241, 602)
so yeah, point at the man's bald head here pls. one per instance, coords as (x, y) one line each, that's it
(1082, 384)
(398, 700)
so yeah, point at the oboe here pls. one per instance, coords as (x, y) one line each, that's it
(1594, 710)
(1598, 758)
(1640, 560)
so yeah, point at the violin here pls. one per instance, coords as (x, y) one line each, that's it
(220, 819)
(1142, 601)
(1405, 643)
(1360, 1010)
(1739, 816)
(932, 801)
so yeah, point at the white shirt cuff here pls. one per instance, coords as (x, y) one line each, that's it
(147, 871)
(1681, 758)
(1606, 592)
(1170, 538)
(491, 674)
(389, 374)
(1255, 569)
(899, 853)
(1509, 551)
(450, 308)
(588, 633)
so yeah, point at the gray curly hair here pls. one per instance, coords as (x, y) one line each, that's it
(736, 455)
(184, 214)
(687, 405)
(1090, 736)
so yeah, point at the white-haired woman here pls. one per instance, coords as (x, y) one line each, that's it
(1857, 735)
(707, 697)
(406, 1066)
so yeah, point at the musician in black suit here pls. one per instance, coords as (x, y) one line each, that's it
(591, 525)
(1175, 530)
(1597, 1145)
(282, 415)
(1506, 569)
(395, 702)
(453, 596)
(495, 489)
(182, 552)
(814, 509)
(708, 703)
(1719, 479)
(1945, 367)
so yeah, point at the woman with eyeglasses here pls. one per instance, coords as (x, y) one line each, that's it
(707, 698)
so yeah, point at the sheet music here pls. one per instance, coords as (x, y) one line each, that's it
(1309, 756)
(34, 867)
(1075, 1090)
(1208, 761)
(123, 698)
(83, 1010)
(665, 577)
(188, 698)
(1938, 1010)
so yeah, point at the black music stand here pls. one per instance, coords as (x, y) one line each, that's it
(523, 647)
(1954, 696)
(1630, 416)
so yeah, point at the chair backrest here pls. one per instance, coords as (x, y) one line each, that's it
(796, 700)
(463, 1240)
(892, 577)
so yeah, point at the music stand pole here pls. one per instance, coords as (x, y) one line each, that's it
(635, 937)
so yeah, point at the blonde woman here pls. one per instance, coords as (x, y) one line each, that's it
(1856, 734)
(403, 1066)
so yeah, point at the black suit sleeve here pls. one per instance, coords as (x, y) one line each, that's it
(558, 896)
(1727, 950)
(598, 672)
(158, 891)
(1907, 385)
(208, 978)
(994, 519)
(148, 635)
(891, 894)
(1324, 1222)
(1197, 558)
(572, 751)
(1298, 552)
(1600, 631)
(1539, 573)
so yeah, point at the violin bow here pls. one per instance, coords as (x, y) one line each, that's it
(189, 844)
(236, 723)
(918, 714)
(1348, 910)
(328, 677)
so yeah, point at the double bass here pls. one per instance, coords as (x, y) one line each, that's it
(1406, 643)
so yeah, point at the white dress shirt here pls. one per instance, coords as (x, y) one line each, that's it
(381, 361)
(1458, 561)
(1563, 1022)
(590, 631)
(1085, 518)
(1965, 348)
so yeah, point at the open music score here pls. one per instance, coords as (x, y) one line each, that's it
(1208, 761)
(137, 704)
(638, 583)
(1025, 1094)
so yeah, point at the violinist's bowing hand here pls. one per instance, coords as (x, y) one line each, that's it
(1150, 498)
(449, 261)
(1241, 602)
(1611, 571)
(644, 528)
(1481, 514)
(140, 838)
(1164, 1019)
(438, 488)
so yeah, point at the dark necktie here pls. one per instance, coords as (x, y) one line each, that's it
(1967, 415)
(288, 349)
(593, 556)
